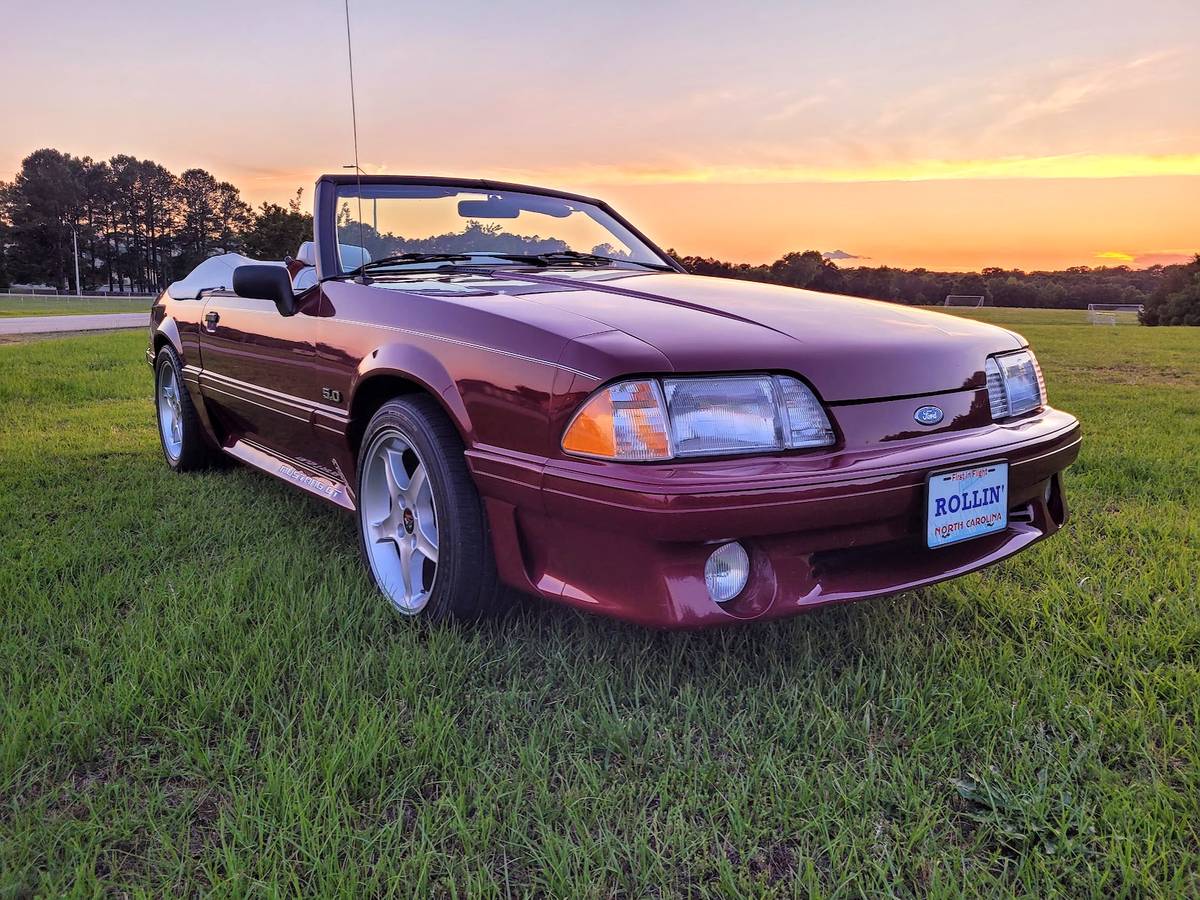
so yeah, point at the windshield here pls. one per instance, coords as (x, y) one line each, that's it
(465, 226)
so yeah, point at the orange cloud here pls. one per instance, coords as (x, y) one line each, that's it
(1164, 258)
(1126, 165)
(1148, 257)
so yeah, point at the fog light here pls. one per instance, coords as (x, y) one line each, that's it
(726, 572)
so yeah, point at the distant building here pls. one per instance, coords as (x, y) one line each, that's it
(124, 286)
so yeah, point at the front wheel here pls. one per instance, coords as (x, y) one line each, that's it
(421, 526)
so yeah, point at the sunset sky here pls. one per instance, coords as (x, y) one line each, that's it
(941, 134)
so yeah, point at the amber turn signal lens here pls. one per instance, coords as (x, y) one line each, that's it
(592, 433)
(625, 421)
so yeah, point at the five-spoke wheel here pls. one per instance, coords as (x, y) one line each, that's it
(400, 520)
(421, 524)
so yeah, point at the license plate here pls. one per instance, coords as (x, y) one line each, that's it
(966, 503)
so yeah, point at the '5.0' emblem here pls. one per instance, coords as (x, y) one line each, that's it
(331, 395)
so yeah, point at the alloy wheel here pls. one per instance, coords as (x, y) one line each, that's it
(399, 520)
(170, 412)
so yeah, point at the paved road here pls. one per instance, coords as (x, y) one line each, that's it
(52, 324)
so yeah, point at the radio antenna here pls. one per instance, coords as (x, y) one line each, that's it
(354, 128)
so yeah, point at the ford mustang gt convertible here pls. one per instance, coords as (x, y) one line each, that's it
(512, 387)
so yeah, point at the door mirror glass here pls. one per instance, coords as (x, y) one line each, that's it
(266, 283)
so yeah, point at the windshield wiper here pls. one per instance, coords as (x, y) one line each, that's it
(542, 260)
(558, 257)
(399, 259)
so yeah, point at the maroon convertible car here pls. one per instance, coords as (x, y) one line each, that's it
(511, 386)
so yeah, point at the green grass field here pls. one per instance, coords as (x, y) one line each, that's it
(199, 689)
(1011, 318)
(69, 306)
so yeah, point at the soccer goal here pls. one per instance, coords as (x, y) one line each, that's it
(963, 300)
(1114, 313)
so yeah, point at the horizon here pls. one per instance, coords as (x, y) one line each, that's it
(1037, 140)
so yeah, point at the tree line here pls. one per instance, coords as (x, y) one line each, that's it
(1072, 288)
(137, 225)
(1170, 294)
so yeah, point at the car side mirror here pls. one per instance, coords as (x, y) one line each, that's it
(266, 283)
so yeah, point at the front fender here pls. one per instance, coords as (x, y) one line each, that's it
(420, 367)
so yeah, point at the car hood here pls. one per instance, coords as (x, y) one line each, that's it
(848, 348)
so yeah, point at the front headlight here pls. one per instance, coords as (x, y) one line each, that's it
(644, 420)
(1014, 383)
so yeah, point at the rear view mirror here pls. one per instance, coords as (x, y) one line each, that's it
(491, 208)
(511, 207)
(266, 283)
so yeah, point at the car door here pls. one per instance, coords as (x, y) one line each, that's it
(258, 370)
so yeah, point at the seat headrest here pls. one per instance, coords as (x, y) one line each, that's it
(353, 256)
(307, 253)
(304, 279)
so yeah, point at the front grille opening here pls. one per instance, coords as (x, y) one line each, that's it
(1057, 504)
(1022, 514)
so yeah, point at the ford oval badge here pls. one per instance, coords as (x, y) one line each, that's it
(929, 415)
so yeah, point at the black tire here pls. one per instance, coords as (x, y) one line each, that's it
(194, 451)
(465, 584)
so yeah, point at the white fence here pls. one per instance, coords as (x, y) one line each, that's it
(25, 295)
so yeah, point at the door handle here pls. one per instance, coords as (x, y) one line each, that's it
(211, 319)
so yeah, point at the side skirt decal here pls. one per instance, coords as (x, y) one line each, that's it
(293, 472)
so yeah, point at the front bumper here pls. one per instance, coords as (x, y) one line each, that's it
(631, 541)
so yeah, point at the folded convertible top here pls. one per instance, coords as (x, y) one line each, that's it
(215, 273)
